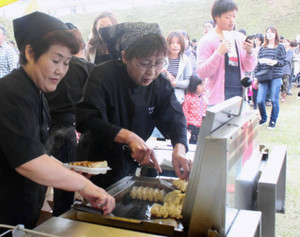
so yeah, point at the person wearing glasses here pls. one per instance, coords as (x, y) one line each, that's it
(125, 99)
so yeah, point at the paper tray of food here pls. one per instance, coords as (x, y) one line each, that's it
(89, 167)
(135, 213)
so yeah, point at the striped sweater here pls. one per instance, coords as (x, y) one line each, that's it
(278, 54)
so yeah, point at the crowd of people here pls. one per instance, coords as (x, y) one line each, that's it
(114, 92)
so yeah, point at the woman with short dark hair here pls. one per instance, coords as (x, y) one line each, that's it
(26, 169)
(258, 40)
(124, 100)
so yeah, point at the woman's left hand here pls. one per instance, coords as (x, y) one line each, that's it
(171, 78)
(180, 161)
(98, 197)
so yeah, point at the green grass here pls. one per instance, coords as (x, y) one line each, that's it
(253, 15)
(287, 132)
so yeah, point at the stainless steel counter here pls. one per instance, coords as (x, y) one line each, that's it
(58, 226)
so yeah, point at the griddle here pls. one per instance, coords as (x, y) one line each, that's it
(131, 213)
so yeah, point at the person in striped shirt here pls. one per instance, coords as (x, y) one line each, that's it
(271, 58)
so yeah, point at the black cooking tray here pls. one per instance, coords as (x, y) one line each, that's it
(132, 213)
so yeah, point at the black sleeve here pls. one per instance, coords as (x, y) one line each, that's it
(91, 111)
(19, 125)
(259, 55)
(281, 55)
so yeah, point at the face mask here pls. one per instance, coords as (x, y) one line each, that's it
(270, 36)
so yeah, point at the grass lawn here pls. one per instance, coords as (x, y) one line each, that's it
(287, 132)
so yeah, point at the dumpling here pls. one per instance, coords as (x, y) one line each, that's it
(159, 211)
(133, 192)
(180, 184)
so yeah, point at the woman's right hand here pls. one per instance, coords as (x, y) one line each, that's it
(140, 151)
(143, 154)
(98, 197)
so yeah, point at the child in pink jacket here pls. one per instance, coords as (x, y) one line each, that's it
(194, 107)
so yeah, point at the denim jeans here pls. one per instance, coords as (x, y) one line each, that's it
(274, 86)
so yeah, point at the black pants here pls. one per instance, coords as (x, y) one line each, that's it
(254, 98)
(194, 133)
(63, 201)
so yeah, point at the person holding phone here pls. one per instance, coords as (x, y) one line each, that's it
(249, 38)
(224, 55)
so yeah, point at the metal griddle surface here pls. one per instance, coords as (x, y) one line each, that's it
(135, 209)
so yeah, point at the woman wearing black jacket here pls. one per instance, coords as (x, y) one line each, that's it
(124, 100)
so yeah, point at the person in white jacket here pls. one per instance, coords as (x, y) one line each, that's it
(178, 68)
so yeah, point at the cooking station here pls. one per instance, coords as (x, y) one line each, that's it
(235, 188)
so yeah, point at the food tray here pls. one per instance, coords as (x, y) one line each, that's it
(134, 208)
(132, 213)
(88, 170)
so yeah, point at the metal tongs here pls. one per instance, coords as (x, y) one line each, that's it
(126, 148)
(158, 175)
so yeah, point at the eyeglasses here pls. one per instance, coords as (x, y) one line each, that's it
(146, 66)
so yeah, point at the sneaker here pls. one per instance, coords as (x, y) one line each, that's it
(262, 122)
(299, 95)
(271, 125)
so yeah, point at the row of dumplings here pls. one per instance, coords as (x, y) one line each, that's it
(172, 201)
(147, 194)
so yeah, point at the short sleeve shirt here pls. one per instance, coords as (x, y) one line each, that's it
(24, 123)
